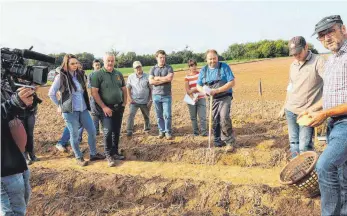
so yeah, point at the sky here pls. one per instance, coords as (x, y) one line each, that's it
(146, 26)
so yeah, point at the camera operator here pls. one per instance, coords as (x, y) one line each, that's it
(15, 187)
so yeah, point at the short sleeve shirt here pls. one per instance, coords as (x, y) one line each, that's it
(305, 83)
(140, 88)
(162, 89)
(226, 74)
(110, 85)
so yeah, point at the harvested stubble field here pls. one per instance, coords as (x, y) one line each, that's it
(178, 177)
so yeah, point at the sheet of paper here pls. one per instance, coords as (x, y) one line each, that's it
(188, 100)
(195, 96)
(207, 89)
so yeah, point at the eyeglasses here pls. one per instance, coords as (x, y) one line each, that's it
(328, 32)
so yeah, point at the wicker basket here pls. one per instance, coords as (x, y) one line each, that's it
(300, 173)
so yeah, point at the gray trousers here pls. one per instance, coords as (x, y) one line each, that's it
(132, 113)
(198, 109)
(222, 127)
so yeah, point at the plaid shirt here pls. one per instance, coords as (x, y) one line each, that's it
(335, 79)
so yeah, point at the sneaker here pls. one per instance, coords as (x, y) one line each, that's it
(81, 161)
(161, 135)
(111, 162)
(168, 136)
(118, 157)
(231, 141)
(33, 157)
(218, 144)
(27, 159)
(97, 156)
(61, 148)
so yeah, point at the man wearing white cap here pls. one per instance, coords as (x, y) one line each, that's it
(140, 94)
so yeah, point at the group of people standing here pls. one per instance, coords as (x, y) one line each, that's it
(317, 89)
(110, 93)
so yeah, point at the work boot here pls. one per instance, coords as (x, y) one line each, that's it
(97, 156)
(118, 156)
(33, 157)
(168, 136)
(161, 135)
(111, 162)
(81, 162)
(60, 147)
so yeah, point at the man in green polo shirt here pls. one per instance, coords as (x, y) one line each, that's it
(109, 92)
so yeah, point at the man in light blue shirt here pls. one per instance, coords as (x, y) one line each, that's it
(218, 77)
(140, 94)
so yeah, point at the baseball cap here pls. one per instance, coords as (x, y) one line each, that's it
(296, 45)
(136, 64)
(327, 22)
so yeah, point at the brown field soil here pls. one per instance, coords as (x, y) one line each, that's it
(180, 176)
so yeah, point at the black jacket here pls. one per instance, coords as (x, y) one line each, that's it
(12, 160)
(66, 93)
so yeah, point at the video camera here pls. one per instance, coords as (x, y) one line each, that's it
(15, 73)
(13, 64)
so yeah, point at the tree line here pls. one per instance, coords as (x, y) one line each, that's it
(251, 50)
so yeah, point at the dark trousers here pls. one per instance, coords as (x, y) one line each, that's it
(29, 124)
(112, 127)
(222, 127)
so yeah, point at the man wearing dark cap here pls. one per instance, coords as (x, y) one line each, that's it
(303, 93)
(332, 164)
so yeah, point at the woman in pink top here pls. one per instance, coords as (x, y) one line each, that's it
(200, 102)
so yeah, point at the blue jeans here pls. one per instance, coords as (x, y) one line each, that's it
(15, 193)
(199, 109)
(66, 136)
(162, 106)
(332, 170)
(300, 137)
(73, 121)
